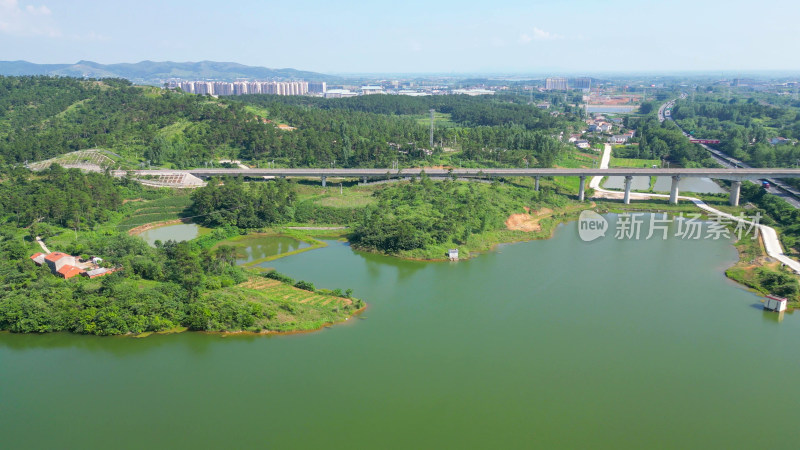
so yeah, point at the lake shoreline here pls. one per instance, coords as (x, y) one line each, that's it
(608, 209)
(153, 225)
(547, 232)
(285, 333)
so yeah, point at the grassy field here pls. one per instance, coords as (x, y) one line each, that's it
(441, 120)
(634, 162)
(257, 111)
(172, 130)
(575, 160)
(292, 309)
(147, 211)
(352, 199)
(95, 156)
(70, 108)
(578, 160)
(352, 196)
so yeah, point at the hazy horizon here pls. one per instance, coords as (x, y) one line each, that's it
(449, 37)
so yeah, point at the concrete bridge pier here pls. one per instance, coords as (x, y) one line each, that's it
(324, 181)
(363, 180)
(537, 184)
(582, 189)
(736, 189)
(673, 192)
(628, 180)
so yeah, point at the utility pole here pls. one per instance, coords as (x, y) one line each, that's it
(432, 111)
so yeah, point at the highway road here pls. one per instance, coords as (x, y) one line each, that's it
(777, 187)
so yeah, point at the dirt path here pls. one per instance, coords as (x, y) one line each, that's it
(149, 226)
(44, 247)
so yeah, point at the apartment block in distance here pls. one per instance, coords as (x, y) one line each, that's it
(556, 84)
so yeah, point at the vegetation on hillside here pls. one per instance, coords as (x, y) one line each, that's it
(744, 126)
(172, 285)
(42, 117)
(377, 130)
(424, 218)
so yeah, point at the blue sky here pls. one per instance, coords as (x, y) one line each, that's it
(567, 36)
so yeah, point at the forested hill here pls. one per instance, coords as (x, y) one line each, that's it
(745, 127)
(42, 117)
(486, 130)
(156, 72)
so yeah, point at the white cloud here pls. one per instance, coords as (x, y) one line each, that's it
(28, 21)
(538, 35)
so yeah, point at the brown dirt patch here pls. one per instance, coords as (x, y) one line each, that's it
(527, 222)
(149, 226)
(523, 222)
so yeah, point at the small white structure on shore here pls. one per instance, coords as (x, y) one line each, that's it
(453, 254)
(777, 304)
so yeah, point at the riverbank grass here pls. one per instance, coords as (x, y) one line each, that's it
(287, 308)
(763, 275)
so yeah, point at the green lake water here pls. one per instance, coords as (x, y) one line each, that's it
(251, 248)
(178, 232)
(548, 344)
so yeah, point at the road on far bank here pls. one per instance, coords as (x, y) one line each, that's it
(777, 187)
(769, 236)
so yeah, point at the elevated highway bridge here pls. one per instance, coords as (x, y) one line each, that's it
(736, 176)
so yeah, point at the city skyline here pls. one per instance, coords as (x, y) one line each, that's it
(453, 37)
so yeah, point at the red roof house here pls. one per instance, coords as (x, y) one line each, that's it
(38, 258)
(68, 271)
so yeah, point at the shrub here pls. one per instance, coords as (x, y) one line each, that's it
(275, 275)
(305, 285)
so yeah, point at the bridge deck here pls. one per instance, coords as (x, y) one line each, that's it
(725, 173)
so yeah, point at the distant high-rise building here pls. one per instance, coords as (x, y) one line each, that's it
(240, 88)
(223, 88)
(580, 83)
(203, 88)
(243, 87)
(556, 84)
(254, 87)
(317, 87)
(187, 86)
